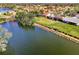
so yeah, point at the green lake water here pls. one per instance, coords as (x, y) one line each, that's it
(35, 41)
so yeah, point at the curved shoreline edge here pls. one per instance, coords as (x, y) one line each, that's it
(57, 32)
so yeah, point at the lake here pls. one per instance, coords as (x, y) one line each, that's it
(35, 41)
(4, 10)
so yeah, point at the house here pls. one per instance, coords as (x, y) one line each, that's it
(73, 20)
(77, 15)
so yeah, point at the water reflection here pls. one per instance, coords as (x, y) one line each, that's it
(4, 36)
(34, 40)
(10, 49)
(27, 28)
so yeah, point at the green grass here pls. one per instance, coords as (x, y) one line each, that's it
(2, 21)
(62, 27)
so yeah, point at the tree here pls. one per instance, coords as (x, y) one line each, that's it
(25, 18)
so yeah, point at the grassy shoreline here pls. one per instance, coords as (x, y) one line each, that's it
(57, 33)
(4, 21)
(67, 29)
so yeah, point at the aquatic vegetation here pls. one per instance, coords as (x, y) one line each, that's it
(26, 28)
(4, 36)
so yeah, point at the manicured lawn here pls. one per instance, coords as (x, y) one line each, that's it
(62, 27)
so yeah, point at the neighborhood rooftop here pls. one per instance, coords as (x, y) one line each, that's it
(73, 20)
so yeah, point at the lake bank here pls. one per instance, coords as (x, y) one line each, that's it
(58, 33)
(65, 30)
(7, 14)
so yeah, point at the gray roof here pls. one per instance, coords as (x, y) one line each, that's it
(72, 19)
